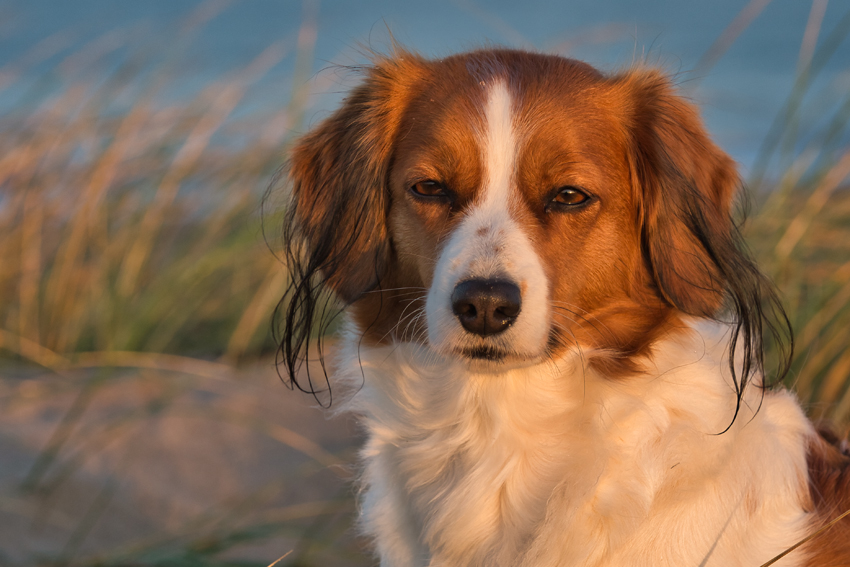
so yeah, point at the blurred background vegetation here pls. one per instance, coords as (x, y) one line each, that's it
(141, 420)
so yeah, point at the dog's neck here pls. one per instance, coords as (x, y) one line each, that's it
(475, 462)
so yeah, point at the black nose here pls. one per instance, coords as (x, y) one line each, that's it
(486, 307)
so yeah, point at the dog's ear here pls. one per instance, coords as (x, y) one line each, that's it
(338, 212)
(684, 187)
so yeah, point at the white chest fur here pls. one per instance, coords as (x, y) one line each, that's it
(553, 464)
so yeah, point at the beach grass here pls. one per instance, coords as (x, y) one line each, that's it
(134, 267)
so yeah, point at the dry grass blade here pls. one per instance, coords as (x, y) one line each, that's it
(835, 380)
(152, 361)
(187, 157)
(42, 50)
(741, 22)
(257, 312)
(783, 131)
(131, 240)
(806, 539)
(32, 351)
(841, 413)
(819, 319)
(279, 559)
(279, 433)
(810, 36)
(815, 203)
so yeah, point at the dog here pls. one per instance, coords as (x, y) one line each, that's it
(553, 333)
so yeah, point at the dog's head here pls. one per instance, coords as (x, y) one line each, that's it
(503, 206)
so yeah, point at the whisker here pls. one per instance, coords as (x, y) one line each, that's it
(572, 309)
(564, 307)
(402, 318)
(381, 290)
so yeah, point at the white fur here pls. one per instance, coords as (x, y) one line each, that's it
(548, 463)
(553, 464)
(489, 243)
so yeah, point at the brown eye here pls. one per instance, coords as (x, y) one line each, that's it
(570, 197)
(429, 188)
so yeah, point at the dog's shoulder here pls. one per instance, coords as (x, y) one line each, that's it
(829, 488)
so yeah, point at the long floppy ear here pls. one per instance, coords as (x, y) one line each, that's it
(339, 181)
(685, 187)
(335, 230)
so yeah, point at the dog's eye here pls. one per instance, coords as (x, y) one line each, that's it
(569, 196)
(429, 188)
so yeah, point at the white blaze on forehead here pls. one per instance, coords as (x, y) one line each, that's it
(489, 244)
(499, 147)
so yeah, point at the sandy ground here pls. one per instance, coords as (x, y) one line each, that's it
(134, 466)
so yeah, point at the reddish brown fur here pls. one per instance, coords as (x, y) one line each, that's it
(343, 165)
(628, 139)
(620, 275)
(673, 152)
(829, 489)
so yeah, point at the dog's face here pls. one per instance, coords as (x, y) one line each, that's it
(502, 206)
(510, 208)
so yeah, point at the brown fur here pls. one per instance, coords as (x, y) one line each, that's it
(673, 160)
(416, 127)
(829, 490)
(620, 276)
(628, 138)
(340, 171)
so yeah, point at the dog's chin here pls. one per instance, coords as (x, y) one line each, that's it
(491, 359)
(490, 355)
(484, 354)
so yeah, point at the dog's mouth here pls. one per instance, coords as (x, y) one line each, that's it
(494, 359)
(487, 353)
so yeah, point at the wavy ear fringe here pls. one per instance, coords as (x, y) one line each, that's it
(685, 187)
(335, 229)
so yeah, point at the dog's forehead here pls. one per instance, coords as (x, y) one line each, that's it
(517, 68)
(552, 104)
(461, 83)
(449, 103)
